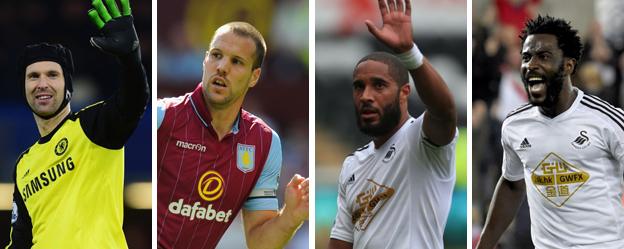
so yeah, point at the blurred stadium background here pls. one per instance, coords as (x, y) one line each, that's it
(97, 76)
(498, 89)
(341, 40)
(280, 98)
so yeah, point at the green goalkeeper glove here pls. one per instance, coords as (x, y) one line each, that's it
(119, 36)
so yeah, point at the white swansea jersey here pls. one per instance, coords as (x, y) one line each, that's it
(398, 195)
(572, 167)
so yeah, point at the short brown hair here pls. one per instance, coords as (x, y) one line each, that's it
(247, 30)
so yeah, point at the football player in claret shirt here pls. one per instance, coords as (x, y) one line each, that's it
(214, 158)
(564, 150)
(395, 192)
(69, 184)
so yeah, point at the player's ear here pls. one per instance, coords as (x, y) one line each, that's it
(255, 76)
(568, 65)
(404, 91)
(205, 59)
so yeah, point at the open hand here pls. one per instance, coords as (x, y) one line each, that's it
(118, 33)
(396, 30)
(296, 198)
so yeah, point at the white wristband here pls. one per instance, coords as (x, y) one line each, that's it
(411, 59)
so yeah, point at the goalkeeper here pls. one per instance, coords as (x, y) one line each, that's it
(69, 184)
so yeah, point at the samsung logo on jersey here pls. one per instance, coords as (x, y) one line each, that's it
(47, 177)
(190, 146)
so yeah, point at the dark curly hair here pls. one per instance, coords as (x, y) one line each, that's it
(567, 38)
(397, 71)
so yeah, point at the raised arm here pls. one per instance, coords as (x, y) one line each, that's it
(507, 198)
(396, 32)
(111, 123)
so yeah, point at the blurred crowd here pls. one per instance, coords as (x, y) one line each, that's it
(498, 88)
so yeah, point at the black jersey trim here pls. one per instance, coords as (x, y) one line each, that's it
(363, 148)
(17, 162)
(359, 149)
(519, 110)
(262, 197)
(47, 138)
(604, 110)
(21, 229)
(618, 111)
(19, 158)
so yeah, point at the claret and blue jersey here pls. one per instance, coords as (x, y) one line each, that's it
(203, 182)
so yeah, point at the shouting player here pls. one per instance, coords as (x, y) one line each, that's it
(214, 158)
(564, 149)
(396, 191)
(69, 184)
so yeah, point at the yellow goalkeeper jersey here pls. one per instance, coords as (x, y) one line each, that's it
(69, 187)
(69, 184)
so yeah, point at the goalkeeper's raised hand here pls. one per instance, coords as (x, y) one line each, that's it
(118, 36)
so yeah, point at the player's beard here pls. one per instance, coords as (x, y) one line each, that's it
(387, 122)
(554, 85)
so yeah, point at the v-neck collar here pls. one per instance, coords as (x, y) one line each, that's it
(201, 111)
(563, 115)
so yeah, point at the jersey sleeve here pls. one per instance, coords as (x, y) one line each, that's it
(615, 138)
(512, 166)
(160, 113)
(264, 194)
(614, 134)
(343, 227)
(111, 122)
(21, 224)
(441, 159)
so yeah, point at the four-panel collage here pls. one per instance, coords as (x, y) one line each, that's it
(328, 124)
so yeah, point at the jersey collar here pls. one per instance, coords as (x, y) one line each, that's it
(571, 109)
(46, 138)
(202, 111)
(394, 136)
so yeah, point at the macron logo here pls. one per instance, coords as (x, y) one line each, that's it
(190, 146)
